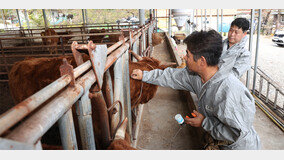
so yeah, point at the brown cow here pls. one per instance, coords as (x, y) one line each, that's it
(55, 40)
(143, 92)
(50, 41)
(97, 38)
(29, 76)
(65, 39)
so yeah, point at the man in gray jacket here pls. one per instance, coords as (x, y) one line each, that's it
(225, 106)
(235, 56)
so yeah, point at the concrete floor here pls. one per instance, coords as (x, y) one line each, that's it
(158, 125)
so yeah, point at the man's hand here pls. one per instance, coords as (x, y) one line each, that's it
(137, 74)
(196, 121)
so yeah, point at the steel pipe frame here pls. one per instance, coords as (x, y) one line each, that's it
(170, 23)
(110, 25)
(67, 131)
(217, 20)
(201, 22)
(205, 20)
(19, 18)
(21, 110)
(44, 18)
(250, 44)
(35, 127)
(18, 112)
(58, 36)
(126, 93)
(84, 114)
(256, 52)
(117, 96)
(222, 22)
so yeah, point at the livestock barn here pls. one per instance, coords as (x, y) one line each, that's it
(68, 87)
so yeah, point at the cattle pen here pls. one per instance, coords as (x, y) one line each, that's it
(37, 113)
(67, 103)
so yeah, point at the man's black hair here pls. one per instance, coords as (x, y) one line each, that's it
(242, 23)
(207, 44)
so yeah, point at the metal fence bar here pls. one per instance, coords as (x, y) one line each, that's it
(84, 114)
(250, 44)
(260, 86)
(127, 97)
(35, 127)
(267, 92)
(117, 95)
(67, 131)
(256, 52)
(22, 109)
(275, 99)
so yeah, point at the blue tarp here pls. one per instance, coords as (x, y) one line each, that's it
(225, 27)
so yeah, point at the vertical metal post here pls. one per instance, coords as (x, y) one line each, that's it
(4, 57)
(256, 52)
(267, 92)
(201, 19)
(44, 18)
(210, 20)
(222, 22)
(217, 20)
(4, 18)
(275, 99)
(84, 114)
(62, 45)
(19, 19)
(117, 94)
(170, 23)
(193, 22)
(260, 86)
(196, 18)
(86, 15)
(141, 17)
(250, 43)
(27, 18)
(67, 131)
(205, 22)
(126, 91)
(83, 15)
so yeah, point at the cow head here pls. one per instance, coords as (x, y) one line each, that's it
(143, 92)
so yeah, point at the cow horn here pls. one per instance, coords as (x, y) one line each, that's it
(120, 133)
(139, 58)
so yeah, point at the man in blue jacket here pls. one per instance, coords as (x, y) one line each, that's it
(225, 106)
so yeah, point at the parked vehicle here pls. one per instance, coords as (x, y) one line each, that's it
(278, 38)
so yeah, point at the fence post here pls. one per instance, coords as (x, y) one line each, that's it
(84, 114)
(67, 131)
(126, 93)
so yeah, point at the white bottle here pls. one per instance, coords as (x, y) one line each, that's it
(179, 119)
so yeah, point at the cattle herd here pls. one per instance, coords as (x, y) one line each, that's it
(32, 74)
(53, 42)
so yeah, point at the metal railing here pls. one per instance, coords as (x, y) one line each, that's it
(26, 129)
(271, 96)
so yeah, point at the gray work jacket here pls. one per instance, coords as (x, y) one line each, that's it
(225, 102)
(237, 58)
